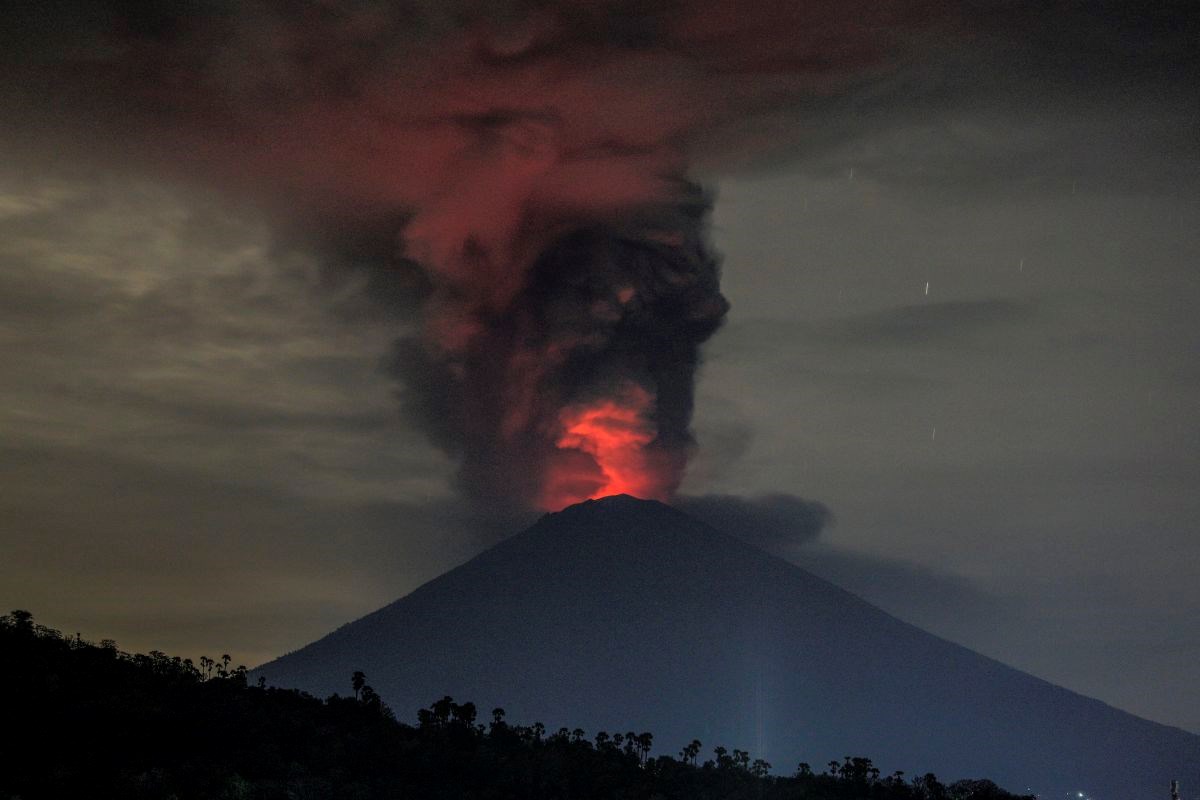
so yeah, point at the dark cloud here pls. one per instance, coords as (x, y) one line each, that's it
(791, 527)
(1027, 97)
(929, 323)
(462, 151)
(775, 522)
(601, 310)
(529, 164)
(933, 324)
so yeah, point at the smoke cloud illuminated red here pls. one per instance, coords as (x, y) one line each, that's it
(516, 179)
(605, 452)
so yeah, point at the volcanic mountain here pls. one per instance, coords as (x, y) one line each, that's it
(628, 615)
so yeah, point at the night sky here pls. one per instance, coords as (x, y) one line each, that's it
(959, 247)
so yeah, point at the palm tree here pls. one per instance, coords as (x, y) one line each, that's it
(463, 714)
(22, 621)
(644, 743)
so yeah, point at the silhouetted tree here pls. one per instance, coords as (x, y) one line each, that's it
(927, 787)
(22, 621)
(97, 722)
(463, 714)
(644, 742)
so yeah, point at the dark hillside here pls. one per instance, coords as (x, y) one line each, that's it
(619, 613)
(87, 721)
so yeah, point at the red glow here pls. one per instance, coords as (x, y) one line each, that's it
(603, 451)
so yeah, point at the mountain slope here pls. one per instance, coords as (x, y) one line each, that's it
(622, 614)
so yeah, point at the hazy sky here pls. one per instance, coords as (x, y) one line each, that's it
(963, 318)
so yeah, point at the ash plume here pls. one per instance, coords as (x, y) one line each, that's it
(538, 163)
(777, 523)
(612, 312)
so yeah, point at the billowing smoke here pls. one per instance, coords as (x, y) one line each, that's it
(537, 159)
(778, 523)
(581, 384)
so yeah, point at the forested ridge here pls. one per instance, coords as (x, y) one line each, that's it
(83, 720)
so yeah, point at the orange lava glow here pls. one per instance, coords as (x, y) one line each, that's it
(602, 450)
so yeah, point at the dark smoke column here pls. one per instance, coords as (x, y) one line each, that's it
(581, 384)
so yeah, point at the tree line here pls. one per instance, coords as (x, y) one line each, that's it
(89, 720)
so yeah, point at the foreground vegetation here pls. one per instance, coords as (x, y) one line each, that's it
(89, 721)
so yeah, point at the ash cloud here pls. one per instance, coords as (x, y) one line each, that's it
(515, 181)
(793, 527)
(776, 522)
(600, 306)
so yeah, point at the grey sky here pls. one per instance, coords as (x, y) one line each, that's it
(200, 453)
(1055, 356)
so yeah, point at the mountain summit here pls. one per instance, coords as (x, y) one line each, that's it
(623, 614)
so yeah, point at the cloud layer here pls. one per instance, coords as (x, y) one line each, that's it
(535, 159)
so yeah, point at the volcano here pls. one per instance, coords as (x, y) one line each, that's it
(622, 614)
